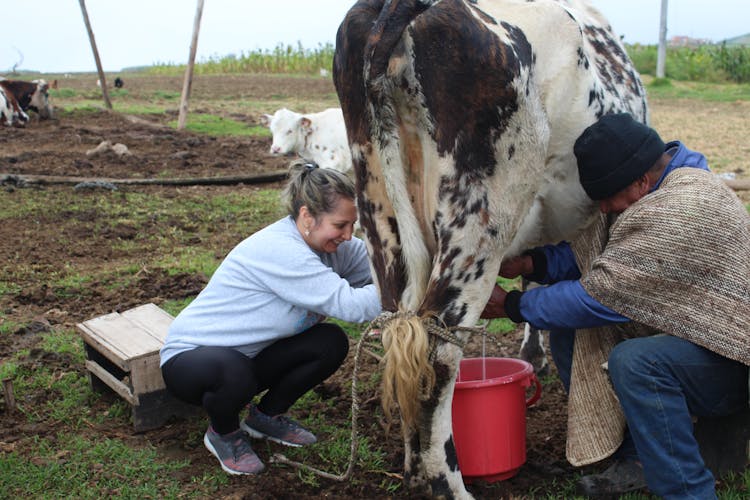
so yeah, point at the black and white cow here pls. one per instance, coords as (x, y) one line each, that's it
(461, 117)
(31, 95)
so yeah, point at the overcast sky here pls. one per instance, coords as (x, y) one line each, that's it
(50, 35)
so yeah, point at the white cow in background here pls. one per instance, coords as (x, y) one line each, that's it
(319, 137)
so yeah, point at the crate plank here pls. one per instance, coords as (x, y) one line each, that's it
(112, 353)
(117, 385)
(145, 374)
(122, 336)
(151, 318)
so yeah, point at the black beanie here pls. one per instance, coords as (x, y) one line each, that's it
(614, 152)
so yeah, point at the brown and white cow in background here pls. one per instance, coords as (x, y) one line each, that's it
(319, 137)
(31, 95)
(461, 117)
(11, 113)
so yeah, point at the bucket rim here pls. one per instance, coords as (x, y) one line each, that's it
(526, 370)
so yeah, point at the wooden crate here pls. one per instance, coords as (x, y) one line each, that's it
(122, 351)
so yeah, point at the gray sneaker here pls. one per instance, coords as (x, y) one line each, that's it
(280, 428)
(234, 452)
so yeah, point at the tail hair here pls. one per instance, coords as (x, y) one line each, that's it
(408, 375)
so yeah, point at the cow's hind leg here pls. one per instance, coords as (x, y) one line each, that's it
(431, 463)
(532, 347)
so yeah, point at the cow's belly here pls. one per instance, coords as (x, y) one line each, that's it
(559, 212)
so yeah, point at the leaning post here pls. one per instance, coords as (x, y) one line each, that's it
(99, 69)
(188, 82)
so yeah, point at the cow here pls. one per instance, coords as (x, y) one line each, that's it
(119, 83)
(319, 137)
(31, 95)
(11, 113)
(461, 117)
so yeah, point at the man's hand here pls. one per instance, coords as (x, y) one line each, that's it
(516, 266)
(495, 307)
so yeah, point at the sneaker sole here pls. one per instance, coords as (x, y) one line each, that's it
(257, 434)
(210, 447)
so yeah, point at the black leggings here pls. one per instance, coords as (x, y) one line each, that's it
(223, 380)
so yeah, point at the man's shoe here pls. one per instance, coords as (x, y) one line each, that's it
(234, 452)
(280, 428)
(621, 477)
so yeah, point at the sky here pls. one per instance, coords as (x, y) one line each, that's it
(144, 32)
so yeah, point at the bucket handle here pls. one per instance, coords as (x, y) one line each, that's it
(537, 391)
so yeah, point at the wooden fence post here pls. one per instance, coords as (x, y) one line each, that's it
(10, 399)
(103, 82)
(188, 82)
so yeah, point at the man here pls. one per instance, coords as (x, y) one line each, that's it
(671, 283)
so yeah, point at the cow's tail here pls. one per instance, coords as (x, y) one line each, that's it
(408, 375)
(394, 17)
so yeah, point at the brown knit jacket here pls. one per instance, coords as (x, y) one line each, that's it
(677, 262)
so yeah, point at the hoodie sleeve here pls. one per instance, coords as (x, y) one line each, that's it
(298, 276)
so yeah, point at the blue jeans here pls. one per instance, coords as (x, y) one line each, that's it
(661, 383)
(561, 349)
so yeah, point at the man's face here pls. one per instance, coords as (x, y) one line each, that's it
(621, 200)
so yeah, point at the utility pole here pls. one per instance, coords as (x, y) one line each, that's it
(661, 55)
(105, 94)
(188, 82)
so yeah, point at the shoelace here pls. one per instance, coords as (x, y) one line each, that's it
(240, 447)
(286, 423)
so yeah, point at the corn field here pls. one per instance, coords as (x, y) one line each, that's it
(282, 59)
(707, 63)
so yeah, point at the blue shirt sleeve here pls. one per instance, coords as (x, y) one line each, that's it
(561, 263)
(565, 305)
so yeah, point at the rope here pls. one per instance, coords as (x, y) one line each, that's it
(434, 329)
(280, 458)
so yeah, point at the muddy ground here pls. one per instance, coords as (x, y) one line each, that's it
(58, 147)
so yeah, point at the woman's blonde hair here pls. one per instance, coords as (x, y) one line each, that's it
(319, 189)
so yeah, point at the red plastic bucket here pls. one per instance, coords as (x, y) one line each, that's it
(489, 416)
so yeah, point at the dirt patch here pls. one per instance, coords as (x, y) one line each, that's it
(58, 147)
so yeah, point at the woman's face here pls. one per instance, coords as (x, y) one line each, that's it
(331, 229)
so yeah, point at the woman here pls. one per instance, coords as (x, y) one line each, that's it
(259, 323)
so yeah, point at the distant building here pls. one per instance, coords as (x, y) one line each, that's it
(686, 41)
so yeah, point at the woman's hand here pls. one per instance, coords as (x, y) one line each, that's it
(495, 307)
(516, 266)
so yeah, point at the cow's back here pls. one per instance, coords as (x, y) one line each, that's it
(473, 105)
(582, 73)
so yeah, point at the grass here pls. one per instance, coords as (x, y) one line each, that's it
(219, 126)
(72, 465)
(717, 92)
(175, 222)
(335, 456)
